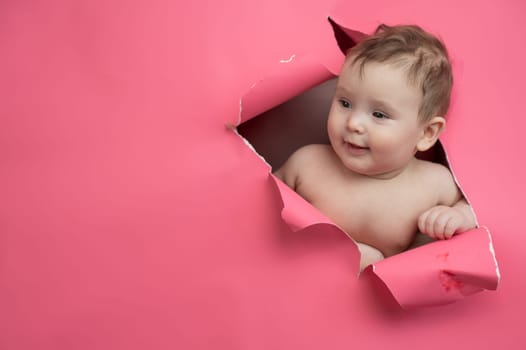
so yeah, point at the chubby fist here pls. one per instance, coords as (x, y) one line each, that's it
(442, 222)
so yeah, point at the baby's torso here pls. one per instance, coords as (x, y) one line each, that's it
(377, 212)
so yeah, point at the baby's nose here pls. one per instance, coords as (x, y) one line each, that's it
(355, 123)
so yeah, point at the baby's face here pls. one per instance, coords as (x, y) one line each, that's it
(373, 123)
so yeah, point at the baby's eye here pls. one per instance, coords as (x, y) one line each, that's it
(380, 115)
(345, 103)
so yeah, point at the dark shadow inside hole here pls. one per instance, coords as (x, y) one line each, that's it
(277, 133)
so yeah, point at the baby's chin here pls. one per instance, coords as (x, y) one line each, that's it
(363, 164)
(376, 173)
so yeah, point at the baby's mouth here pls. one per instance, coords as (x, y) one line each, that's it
(355, 149)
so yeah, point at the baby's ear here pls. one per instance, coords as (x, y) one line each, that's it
(430, 133)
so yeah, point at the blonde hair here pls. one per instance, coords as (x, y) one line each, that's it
(422, 55)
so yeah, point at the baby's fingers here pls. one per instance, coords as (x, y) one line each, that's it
(425, 222)
(437, 223)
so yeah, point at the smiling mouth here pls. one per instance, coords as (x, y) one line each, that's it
(355, 149)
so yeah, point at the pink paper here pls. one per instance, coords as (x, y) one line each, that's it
(131, 218)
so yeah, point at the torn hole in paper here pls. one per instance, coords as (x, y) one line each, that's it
(281, 118)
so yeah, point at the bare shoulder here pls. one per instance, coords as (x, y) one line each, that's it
(309, 154)
(300, 161)
(312, 150)
(441, 180)
(435, 170)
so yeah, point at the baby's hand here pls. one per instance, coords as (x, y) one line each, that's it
(442, 222)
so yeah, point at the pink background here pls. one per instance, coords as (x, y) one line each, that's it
(131, 218)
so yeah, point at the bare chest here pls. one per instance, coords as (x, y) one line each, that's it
(382, 214)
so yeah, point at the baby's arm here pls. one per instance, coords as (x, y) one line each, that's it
(289, 172)
(368, 255)
(445, 219)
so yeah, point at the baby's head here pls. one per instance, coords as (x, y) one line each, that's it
(390, 100)
(421, 55)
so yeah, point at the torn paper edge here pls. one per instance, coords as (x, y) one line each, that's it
(295, 228)
(250, 147)
(245, 141)
(450, 166)
(283, 84)
(233, 127)
(492, 252)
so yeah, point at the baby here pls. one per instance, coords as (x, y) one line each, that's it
(390, 101)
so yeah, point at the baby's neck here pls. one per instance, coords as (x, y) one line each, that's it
(393, 174)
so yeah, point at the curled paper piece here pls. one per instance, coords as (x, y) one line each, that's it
(441, 272)
(301, 216)
(434, 274)
(294, 75)
(296, 211)
(345, 37)
(290, 78)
